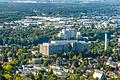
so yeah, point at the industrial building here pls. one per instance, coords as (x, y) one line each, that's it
(63, 46)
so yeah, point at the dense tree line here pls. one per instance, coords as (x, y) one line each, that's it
(26, 36)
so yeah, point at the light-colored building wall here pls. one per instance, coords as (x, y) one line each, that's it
(119, 42)
(67, 34)
(54, 48)
(61, 47)
(78, 47)
(44, 49)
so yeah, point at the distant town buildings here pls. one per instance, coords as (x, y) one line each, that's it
(64, 22)
(62, 47)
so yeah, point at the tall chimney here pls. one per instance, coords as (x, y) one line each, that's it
(105, 41)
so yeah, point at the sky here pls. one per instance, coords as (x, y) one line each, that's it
(66, 0)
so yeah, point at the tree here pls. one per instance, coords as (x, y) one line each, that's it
(17, 77)
(91, 78)
(20, 52)
(8, 67)
(82, 78)
(74, 77)
(52, 77)
(2, 77)
(38, 76)
(30, 76)
(78, 70)
(74, 57)
(46, 62)
(61, 79)
(59, 61)
(91, 73)
(1, 69)
(7, 76)
(9, 53)
(70, 54)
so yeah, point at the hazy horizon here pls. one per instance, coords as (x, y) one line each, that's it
(62, 1)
